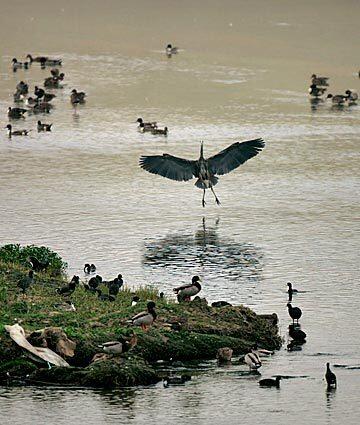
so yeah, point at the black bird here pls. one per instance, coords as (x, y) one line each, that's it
(16, 132)
(26, 281)
(70, 288)
(114, 286)
(330, 377)
(135, 300)
(48, 97)
(291, 290)
(87, 268)
(39, 93)
(205, 170)
(146, 126)
(77, 97)
(316, 91)
(270, 382)
(37, 265)
(294, 312)
(16, 112)
(92, 268)
(22, 88)
(297, 334)
(43, 127)
(94, 282)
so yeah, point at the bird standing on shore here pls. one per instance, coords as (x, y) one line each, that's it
(26, 281)
(330, 377)
(146, 318)
(185, 292)
(205, 170)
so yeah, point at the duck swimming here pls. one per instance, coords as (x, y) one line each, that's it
(43, 127)
(18, 65)
(316, 91)
(163, 132)
(170, 50)
(36, 59)
(146, 318)
(145, 126)
(351, 97)
(185, 292)
(77, 97)
(11, 133)
(16, 112)
(270, 382)
(337, 100)
(319, 81)
(22, 87)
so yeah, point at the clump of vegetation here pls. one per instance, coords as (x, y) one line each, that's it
(187, 331)
(19, 255)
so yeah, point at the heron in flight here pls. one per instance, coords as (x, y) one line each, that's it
(205, 170)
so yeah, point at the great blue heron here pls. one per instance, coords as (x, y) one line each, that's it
(180, 169)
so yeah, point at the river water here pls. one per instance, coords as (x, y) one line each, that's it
(287, 215)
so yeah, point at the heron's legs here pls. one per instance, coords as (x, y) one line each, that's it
(216, 198)
(203, 199)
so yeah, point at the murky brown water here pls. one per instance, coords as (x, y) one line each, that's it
(289, 214)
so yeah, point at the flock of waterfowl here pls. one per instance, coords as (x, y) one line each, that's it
(319, 86)
(40, 103)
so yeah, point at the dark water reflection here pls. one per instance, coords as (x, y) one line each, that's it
(205, 250)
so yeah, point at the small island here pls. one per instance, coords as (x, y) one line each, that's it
(183, 332)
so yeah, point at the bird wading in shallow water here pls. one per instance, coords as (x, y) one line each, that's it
(205, 170)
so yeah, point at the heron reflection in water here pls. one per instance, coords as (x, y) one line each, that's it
(204, 249)
(205, 170)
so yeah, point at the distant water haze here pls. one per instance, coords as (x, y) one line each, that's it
(290, 214)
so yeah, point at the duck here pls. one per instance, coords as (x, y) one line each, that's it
(30, 101)
(26, 281)
(294, 312)
(54, 82)
(161, 295)
(146, 126)
(41, 108)
(39, 93)
(338, 99)
(268, 382)
(68, 289)
(163, 132)
(22, 87)
(36, 59)
(18, 65)
(104, 297)
(185, 292)
(351, 97)
(170, 50)
(16, 112)
(77, 97)
(87, 268)
(68, 305)
(218, 304)
(48, 97)
(316, 91)
(50, 62)
(319, 81)
(146, 318)
(10, 132)
(95, 281)
(92, 268)
(135, 299)
(43, 127)
(252, 360)
(112, 347)
(330, 377)
(114, 286)
(37, 265)
(175, 380)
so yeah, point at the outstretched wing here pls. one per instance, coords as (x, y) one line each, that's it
(234, 155)
(169, 166)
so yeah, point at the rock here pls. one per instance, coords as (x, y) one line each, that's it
(224, 355)
(55, 339)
